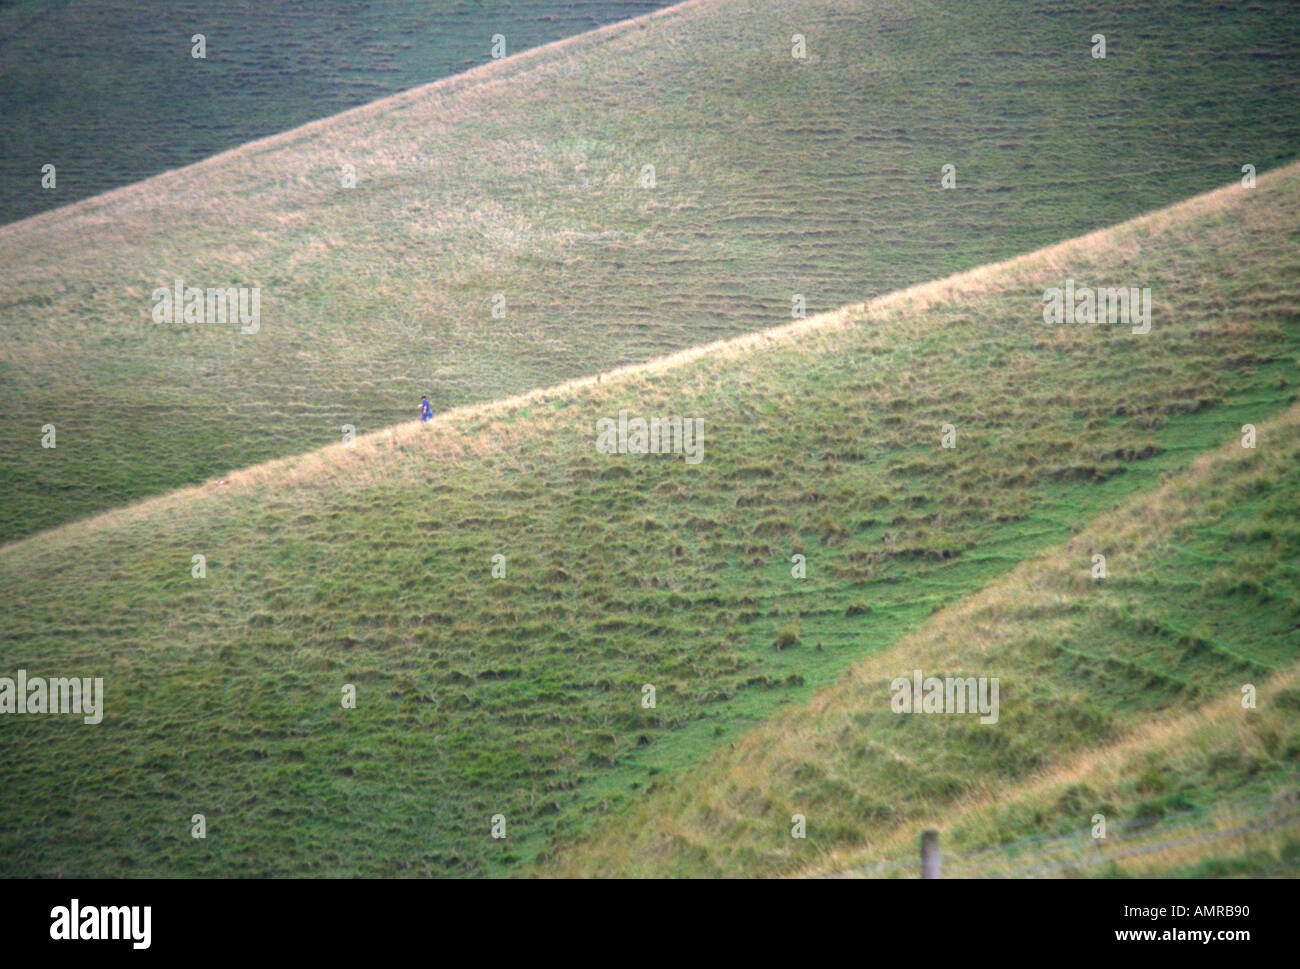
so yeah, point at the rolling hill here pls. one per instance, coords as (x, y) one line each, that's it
(1119, 696)
(109, 92)
(500, 592)
(504, 232)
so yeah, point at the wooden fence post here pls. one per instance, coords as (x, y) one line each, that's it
(930, 853)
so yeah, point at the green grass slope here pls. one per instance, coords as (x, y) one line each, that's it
(1119, 696)
(108, 93)
(774, 177)
(521, 695)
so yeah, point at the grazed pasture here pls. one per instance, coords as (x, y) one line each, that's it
(520, 695)
(522, 179)
(109, 93)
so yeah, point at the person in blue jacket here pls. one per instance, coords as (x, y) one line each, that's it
(426, 412)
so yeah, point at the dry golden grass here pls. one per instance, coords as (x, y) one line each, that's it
(1222, 723)
(370, 565)
(446, 437)
(731, 798)
(775, 177)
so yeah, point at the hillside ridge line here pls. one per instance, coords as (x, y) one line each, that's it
(452, 84)
(913, 299)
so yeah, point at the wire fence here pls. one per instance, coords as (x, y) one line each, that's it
(1048, 855)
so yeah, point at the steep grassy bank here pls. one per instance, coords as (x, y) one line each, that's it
(109, 93)
(502, 233)
(1120, 696)
(521, 695)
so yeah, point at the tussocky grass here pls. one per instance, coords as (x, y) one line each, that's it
(521, 696)
(774, 178)
(1119, 696)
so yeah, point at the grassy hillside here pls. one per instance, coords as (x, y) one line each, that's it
(774, 177)
(109, 93)
(521, 695)
(1120, 696)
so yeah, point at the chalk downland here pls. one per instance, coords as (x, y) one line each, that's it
(520, 692)
(504, 232)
